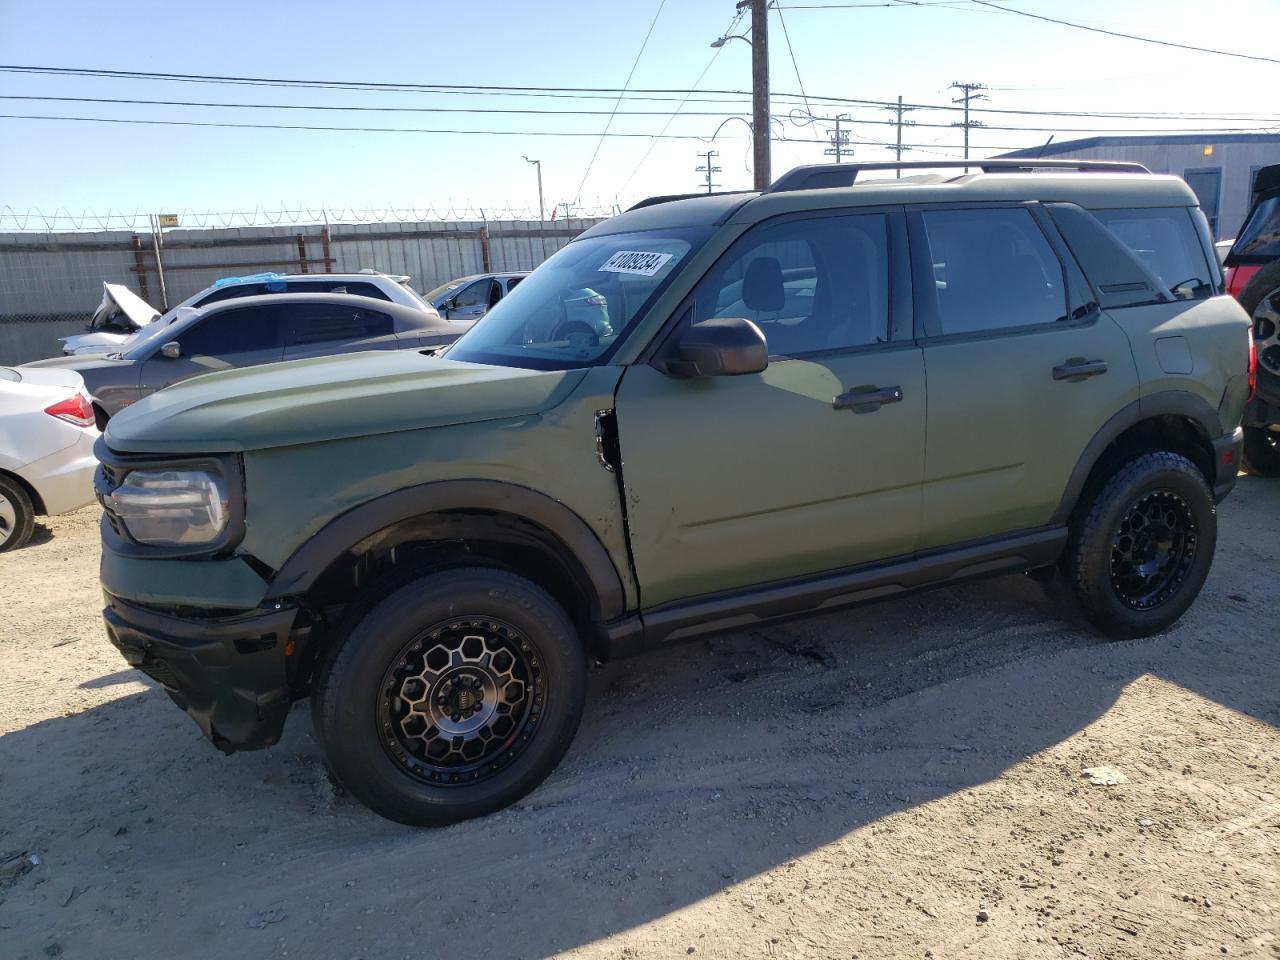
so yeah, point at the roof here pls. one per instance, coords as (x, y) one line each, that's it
(1145, 140)
(1093, 190)
(418, 316)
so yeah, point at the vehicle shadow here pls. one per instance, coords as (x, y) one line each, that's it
(698, 766)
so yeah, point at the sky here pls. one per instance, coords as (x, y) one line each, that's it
(71, 170)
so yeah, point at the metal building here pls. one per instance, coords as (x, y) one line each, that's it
(1219, 167)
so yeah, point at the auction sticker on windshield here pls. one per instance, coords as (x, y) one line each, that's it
(635, 261)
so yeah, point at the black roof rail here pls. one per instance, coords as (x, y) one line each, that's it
(668, 198)
(820, 176)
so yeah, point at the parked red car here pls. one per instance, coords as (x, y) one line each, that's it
(1253, 278)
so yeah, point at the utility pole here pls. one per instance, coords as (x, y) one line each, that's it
(709, 168)
(970, 94)
(760, 90)
(839, 139)
(898, 111)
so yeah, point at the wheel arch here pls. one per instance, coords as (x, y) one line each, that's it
(1175, 420)
(476, 519)
(37, 502)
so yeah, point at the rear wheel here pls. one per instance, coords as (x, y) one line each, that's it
(1141, 548)
(451, 697)
(17, 516)
(1261, 300)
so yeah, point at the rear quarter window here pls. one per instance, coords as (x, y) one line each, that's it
(1166, 242)
(1260, 235)
(9, 375)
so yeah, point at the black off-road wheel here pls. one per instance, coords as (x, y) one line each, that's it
(1262, 451)
(451, 697)
(1140, 548)
(17, 516)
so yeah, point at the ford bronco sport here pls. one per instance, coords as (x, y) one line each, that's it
(827, 392)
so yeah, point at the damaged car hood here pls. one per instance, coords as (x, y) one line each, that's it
(330, 398)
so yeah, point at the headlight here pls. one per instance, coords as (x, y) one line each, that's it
(172, 507)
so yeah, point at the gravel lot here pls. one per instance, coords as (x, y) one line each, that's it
(903, 780)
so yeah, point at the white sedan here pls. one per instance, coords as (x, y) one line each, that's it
(47, 432)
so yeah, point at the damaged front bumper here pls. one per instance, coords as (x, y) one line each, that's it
(230, 674)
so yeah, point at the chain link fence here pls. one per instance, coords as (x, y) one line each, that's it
(51, 283)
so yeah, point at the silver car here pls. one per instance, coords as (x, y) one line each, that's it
(467, 299)
(248, 331)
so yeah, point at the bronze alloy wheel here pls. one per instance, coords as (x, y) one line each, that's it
(461, 701)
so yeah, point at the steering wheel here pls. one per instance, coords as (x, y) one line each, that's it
(580, 335)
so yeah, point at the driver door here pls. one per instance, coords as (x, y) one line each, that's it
(231, 337)
(474, 301)
(737, 481)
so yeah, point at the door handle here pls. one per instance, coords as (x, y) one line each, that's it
(867, 397)
(1079, 369)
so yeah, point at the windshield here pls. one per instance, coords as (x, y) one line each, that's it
(431, 296)
(143, 343)
(10, 375)
(573, 309)
(1260, 236)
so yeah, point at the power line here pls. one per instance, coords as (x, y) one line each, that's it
(631, 73)
(1117, 33)
(497, 133)
(604, 93)
(680, 106)
(612, 133)
(794, 65)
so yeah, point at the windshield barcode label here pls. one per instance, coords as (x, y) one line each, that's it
(635, 261)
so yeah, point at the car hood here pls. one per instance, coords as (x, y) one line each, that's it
(330, 398)
(131, 305)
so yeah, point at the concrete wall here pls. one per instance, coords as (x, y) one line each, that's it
(51, 283)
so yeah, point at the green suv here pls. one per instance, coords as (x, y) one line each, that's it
(782, 402)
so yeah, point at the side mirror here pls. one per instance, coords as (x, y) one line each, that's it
(719, 347)
(171, 350)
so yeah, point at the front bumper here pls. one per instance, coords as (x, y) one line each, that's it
(229, 674)
(1228, 452)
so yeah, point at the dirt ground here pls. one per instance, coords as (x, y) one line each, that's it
(903, 780)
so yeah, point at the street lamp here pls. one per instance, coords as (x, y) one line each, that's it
(538, 164)
(717, 44)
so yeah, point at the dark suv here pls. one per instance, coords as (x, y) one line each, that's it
(828, 392)
(1253, 276)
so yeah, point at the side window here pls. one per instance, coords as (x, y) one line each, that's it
(232, 291)
(357, 288)
(475, 295)
(992, 270)
(1164, 240)
(233, 332)
(810, 284)
(511, 283)
(310, 323)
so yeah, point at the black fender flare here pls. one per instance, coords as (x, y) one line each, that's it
(1178, 403)
(345, 531)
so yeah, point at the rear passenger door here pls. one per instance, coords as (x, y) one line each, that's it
(1022, 368)
(322, 329)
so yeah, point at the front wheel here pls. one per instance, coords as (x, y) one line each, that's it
(451, 697)
(1141, 547)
